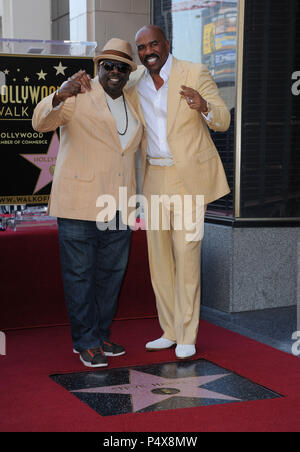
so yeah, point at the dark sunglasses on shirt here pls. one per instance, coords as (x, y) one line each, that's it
(111, 65)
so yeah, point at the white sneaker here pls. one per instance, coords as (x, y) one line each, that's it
(159, 344)
(185, 351)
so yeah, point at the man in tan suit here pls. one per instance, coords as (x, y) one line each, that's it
(100, 134)
(179, 101)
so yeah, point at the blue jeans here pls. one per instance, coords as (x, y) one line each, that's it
(93, 264)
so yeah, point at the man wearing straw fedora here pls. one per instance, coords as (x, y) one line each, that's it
(101, 132)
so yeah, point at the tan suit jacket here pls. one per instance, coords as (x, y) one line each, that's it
(91, 161)
(195, 155)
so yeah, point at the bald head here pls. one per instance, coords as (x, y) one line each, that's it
(151, 28)
(153, 47)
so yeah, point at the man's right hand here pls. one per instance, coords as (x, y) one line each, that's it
(79, 83)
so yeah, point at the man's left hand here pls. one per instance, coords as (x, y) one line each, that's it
(194, 100)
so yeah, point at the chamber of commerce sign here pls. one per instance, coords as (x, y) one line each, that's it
(27, 157)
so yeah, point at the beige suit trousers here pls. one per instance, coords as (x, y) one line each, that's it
(174, 259)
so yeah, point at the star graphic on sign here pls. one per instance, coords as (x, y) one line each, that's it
(45, 162)
(26, 79)
(147, 389)
(6, 72)
(42, 75)
(60, 69)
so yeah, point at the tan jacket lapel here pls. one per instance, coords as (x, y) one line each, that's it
(177, 78)
(139, 129)
(98, 98)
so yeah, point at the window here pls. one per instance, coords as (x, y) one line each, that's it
(270, 169)
(203, 31)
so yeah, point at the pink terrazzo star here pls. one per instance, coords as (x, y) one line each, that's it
(142, 385)
(45, 162)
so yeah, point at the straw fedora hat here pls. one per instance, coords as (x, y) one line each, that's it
(119, 50)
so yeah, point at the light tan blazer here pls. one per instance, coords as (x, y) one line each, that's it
(195, 155)
(91, 161)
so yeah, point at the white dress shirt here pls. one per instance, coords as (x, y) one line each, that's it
(154, 105)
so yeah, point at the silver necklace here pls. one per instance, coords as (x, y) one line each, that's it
(126, 113)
